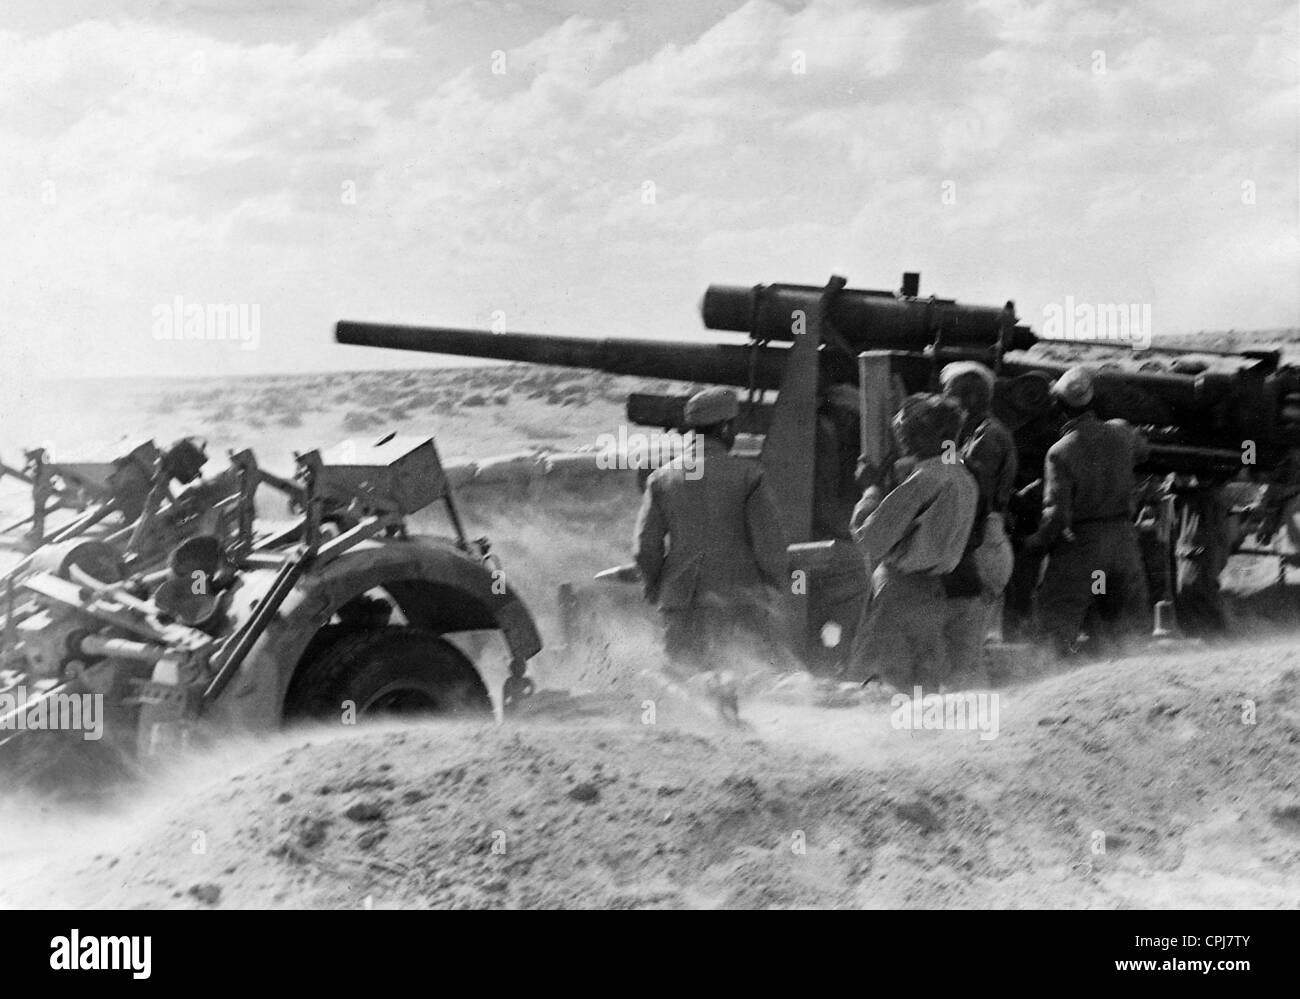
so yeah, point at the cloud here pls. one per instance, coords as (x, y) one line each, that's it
(370, 162)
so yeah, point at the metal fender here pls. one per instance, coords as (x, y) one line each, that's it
(434, 584)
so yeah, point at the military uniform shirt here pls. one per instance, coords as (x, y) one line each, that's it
(1088, 474)
(990, 453)
(712, 535)
(923, 523)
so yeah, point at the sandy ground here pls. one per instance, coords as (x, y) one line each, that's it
(1164, 779)
(1134, 783)
(474, 411)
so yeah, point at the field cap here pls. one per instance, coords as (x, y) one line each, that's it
(1074, 388)
(713, 405)
(960, 369)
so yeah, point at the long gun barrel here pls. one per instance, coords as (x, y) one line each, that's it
(721, 364)
(861, 320)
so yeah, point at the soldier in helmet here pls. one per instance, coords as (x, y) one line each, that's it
(1087, 530)
(709, 542)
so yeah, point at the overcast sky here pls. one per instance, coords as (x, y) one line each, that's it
(362, 159)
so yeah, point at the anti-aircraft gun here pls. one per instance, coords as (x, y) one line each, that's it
(1209, 420)
(802, 340)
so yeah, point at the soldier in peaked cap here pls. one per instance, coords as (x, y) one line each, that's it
(1087, 528)
(708, 539)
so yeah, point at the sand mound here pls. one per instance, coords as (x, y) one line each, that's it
(1141, 782)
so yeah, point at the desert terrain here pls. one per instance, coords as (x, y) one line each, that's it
(1167, 778)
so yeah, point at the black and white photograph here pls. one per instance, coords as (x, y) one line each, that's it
(650, 454)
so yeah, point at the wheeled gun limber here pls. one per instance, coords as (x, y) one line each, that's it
(198, 616)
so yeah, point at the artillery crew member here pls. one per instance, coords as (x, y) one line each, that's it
(914, 536)
(1087, 528)
(709, 542)
(989, 453)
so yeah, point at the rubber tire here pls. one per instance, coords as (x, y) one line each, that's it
(431, 674)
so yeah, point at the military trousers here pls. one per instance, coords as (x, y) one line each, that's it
(965, 630)
(968, 621)
(902, 637)
(714, 634)
(1102, 566)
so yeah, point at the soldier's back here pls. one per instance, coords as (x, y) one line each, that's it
(704, 506)
(1099, 458)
